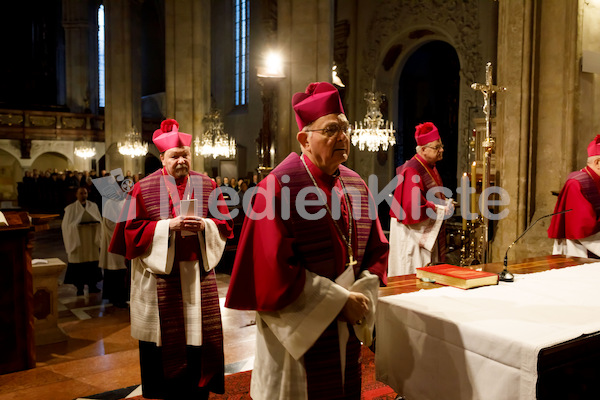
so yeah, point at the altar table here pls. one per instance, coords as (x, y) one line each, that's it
(512, 341)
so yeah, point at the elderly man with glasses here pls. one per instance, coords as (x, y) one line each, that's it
(417, 234)
(312, 268)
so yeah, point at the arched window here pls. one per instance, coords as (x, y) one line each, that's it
(101, 75)
(241, 32)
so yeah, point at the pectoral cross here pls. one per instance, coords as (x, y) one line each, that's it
(351, 261)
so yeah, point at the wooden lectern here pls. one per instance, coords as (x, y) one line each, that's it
(17, 345)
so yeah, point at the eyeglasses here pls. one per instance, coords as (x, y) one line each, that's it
(331, 130)
(436, 148)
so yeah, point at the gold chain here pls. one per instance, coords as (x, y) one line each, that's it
(347, 242)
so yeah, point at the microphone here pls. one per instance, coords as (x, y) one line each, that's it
(506, 276)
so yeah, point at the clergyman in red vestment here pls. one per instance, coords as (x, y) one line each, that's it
(576, 233)
(417, 233)
(170, 232)
(310, 261)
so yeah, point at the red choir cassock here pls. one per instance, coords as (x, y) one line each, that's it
(155, 198)
(288, 247)
(274, 254)
(581, 195)
(268, 272)
(415, 178)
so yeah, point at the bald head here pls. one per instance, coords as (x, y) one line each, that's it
(594, 163)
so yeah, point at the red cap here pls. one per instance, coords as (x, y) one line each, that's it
(594, 147)
(426, 133)
(168, 136)
(320, 98)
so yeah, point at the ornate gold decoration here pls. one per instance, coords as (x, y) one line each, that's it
(40, 121)
(11, 119)
(73, 123)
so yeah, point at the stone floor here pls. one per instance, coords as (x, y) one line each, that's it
(99, 354)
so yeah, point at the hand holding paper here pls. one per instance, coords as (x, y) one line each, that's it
(191, 224)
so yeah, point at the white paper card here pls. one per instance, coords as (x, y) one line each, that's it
(188, 209)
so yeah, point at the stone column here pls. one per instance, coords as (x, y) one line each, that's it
(305, 38)
(537, 63)
(513, 115)
(187, 69)
(123, 88)
(76, 21)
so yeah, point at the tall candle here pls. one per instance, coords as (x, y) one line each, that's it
(464, 183)
(474, 186)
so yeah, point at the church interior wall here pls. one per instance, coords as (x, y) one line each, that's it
(535, 46)
(386, 34)
(242, 122)
(51, 161)
(305, 39)
(556, 81)
(541, 115)
(10, 172)
(588, 120)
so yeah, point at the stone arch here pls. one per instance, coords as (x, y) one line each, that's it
(400, 28)
(428, 90)
(10, 173)
(51, 160)
(62, 149)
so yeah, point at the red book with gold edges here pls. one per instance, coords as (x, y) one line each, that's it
(451, 275)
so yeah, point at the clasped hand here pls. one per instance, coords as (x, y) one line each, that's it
(355, 309)
(189, 223)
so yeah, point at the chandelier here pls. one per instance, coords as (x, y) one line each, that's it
(133, 145)
(84, 150)
(214, 141)
(373, 131)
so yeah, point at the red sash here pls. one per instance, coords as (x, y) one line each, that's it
(427, 176)
(589, 189)
(580, 222)
(313, 237)
(170, 304)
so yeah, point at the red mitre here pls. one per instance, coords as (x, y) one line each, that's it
(168, 136)
(320, 98)
(594, 147)
(426, 133)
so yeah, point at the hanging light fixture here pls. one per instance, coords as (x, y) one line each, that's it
(133, 146)
(373, 131)
(214, 141)
(85, 150)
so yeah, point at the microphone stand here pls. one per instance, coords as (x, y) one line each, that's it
(506, 276)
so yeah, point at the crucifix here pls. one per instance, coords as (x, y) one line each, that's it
(488, 89)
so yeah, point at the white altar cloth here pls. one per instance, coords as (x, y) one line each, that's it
(482, 343)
